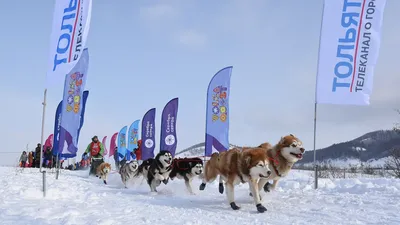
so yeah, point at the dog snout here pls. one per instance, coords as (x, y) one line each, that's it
(269, 172)
(302, 150)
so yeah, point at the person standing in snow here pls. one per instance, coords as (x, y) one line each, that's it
(23, 159)
(116, 158)
(48, 156)
(30, 159)
(37, 155)
(138, 151)
(96, 150)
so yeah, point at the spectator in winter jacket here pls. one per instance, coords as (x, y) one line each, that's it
(30, 158)
(116, 158)
(48, 156)
(23, 159)
(37, 155)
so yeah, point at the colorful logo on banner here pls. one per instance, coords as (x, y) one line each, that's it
(219, 108)
(71, 114)
(122, 140)
(134, 136)
(217, 112)
(74, 92)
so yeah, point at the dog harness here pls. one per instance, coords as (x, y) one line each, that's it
(273, 164)
(276, 170)
(166, 170)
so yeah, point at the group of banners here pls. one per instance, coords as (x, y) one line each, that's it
(348, 53)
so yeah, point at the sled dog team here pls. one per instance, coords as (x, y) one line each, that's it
(252, 165)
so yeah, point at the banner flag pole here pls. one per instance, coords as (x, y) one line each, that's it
(316, 103)
(42, 133)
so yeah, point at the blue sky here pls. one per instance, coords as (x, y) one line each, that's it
(144, 53)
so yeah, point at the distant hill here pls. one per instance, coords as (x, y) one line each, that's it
(195, 150)
(371, 146)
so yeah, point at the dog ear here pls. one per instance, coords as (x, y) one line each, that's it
(291, 135)
(282, 140)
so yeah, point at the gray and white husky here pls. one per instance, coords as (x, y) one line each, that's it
(128, 170)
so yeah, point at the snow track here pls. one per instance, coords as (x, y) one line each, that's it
(77, 199)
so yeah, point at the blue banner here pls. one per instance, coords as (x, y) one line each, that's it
(121, 143)
(168, 139)
(85, 96)
(133, 135)
(57, 127)
(72, 106)
(148, 134)
(217, 112)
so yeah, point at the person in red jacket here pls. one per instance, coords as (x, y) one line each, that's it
(96, 150)
(138, 151)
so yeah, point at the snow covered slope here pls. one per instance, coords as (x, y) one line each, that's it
(77, 199)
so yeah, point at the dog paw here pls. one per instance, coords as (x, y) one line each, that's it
(234, 206)
(202, 186)
(221, 188)
(267, 187)
(165, 181)
(105, 182)
(261, 208)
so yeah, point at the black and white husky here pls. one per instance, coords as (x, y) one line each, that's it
(156, 170)
(128, 170)
(187, 169)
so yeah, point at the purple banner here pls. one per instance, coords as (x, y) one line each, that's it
(168, 139)
(57, 128)
(85, 96)
(148, 134)
(72, 105)
(217, 112)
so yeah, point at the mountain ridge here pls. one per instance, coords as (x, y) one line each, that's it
(369, 146)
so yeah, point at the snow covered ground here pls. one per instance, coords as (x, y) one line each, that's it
(77, 199)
